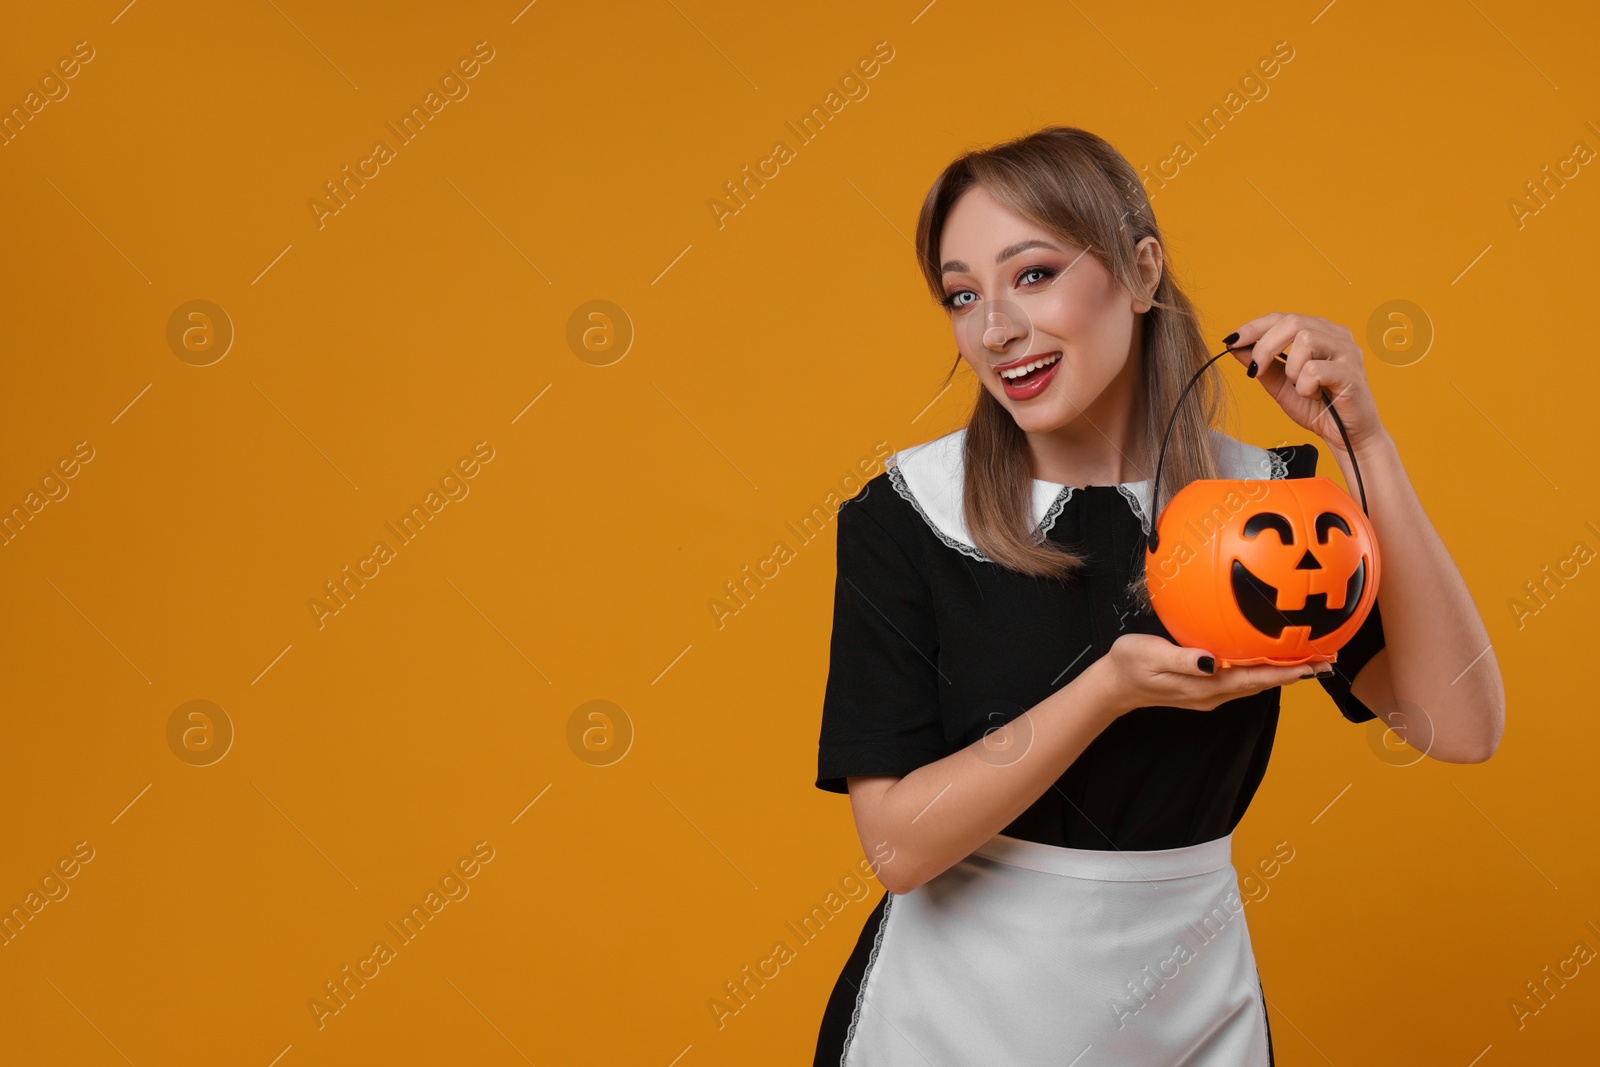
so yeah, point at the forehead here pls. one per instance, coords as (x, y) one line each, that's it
(980, 229)
(979, 222)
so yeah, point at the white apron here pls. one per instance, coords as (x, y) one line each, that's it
(1025, 953)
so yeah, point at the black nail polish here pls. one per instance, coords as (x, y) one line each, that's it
(1208, 664)
(1232, 337)
(1250, 372)
(1313, 674)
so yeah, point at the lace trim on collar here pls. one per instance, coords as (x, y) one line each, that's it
(897, 479)
(1279, 469)
(1235, 454)
(1054, 511)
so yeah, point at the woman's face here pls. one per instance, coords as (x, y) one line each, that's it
(1017, 294)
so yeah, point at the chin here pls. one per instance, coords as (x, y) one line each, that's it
(1040, 414)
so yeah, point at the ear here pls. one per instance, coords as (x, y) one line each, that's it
(1148, 258)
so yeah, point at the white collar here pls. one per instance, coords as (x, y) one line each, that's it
(929, 476)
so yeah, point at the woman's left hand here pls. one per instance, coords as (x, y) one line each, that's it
(1325, 355)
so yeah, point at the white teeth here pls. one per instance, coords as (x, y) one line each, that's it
(1017, 372)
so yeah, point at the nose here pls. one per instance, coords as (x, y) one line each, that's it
(1000, 328)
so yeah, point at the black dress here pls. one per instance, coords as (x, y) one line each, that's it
(933, 645)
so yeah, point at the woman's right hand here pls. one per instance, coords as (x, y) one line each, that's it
(1147, 670)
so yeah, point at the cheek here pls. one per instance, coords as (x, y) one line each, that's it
(973, 360)
(1086, 310)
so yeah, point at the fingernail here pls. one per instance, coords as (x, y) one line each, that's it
(1208, 664)
(1232, 337)
(1313, 674)
(1250, 372)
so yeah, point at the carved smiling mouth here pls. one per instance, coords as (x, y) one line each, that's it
(1258, 603)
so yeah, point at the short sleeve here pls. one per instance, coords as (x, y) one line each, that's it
(880, 709)
(1366, 643)
(1368, 638)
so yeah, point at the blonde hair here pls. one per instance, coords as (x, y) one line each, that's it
(1073, 184)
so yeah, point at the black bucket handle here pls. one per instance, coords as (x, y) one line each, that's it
(1155, 489)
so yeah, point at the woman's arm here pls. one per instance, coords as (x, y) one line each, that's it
(927, 820)
(940, 812)
(1435, 682)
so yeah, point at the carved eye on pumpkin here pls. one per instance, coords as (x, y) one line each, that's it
(1271, 520)
(1251, 598)
(1326, 521)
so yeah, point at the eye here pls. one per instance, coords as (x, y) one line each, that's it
(952, 301)
(1270, 520)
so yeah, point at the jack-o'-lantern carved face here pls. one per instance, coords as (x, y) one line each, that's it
(1263, 571)
(1324, 562)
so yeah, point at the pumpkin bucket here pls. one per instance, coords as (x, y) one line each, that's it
(1279, 571)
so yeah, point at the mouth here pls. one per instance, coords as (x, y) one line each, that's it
(1258, 603)
(1028, 376)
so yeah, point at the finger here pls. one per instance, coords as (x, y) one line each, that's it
(1314, 377)
(1249, 333)
(1308, 344)
(1266, 675)
(1198, 661)
(1243, 355)
(1318, 668)
(1324, 377)
(1273, 341)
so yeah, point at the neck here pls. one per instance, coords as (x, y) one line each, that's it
(1102, 446)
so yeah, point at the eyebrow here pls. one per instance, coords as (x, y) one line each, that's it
(1004, 254)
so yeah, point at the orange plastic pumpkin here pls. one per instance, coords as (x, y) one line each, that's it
(1263, 570)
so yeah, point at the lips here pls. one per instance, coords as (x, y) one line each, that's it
(1034, 381)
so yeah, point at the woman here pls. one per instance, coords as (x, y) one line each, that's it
(1046, 783)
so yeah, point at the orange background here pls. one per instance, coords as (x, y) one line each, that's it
(444, 704)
